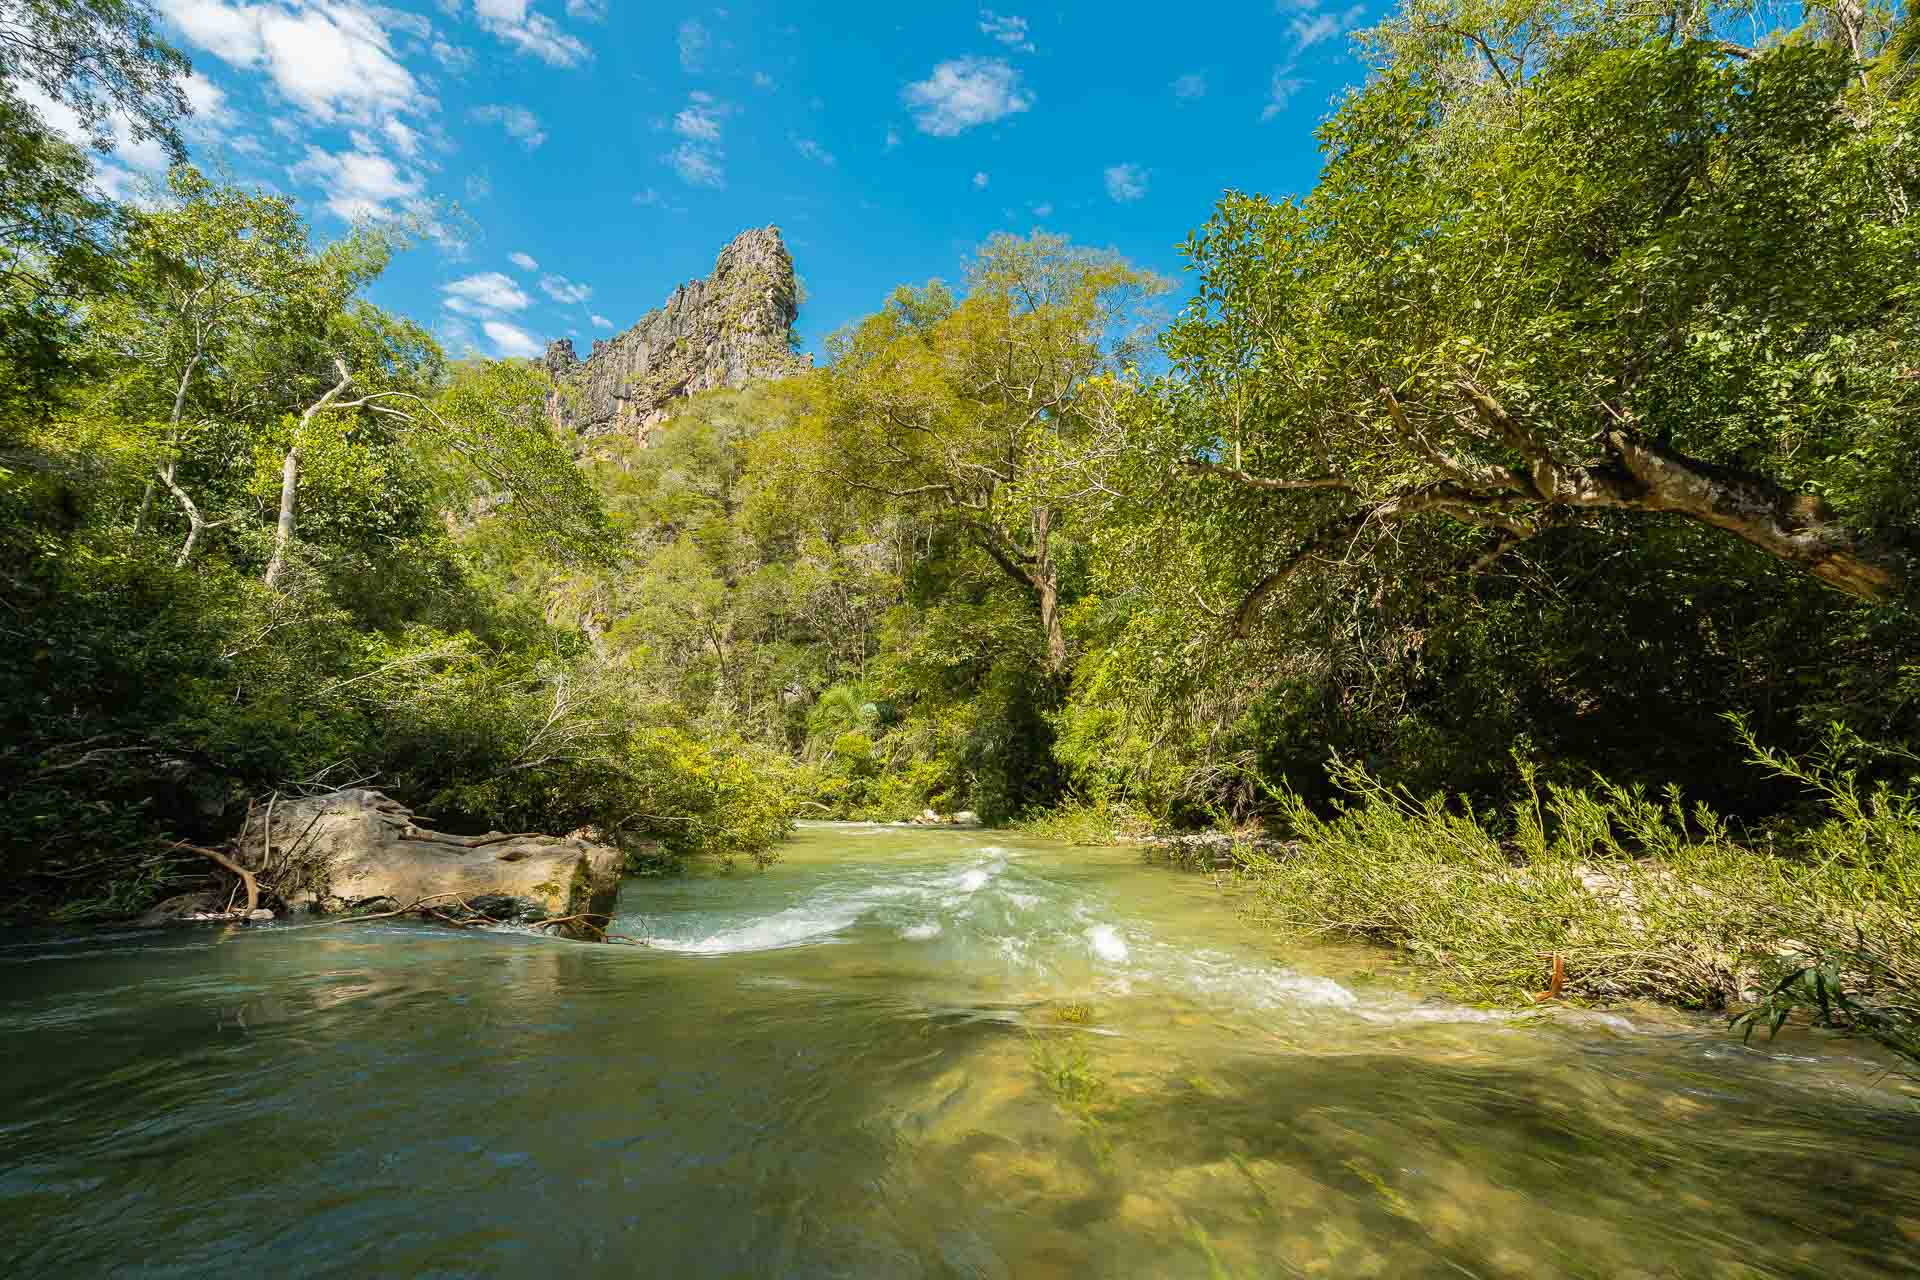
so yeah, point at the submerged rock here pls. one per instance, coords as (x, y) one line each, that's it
(359, 849)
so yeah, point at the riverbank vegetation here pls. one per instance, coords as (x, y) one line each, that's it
(1521, 523)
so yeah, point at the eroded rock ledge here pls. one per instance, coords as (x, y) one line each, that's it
(730, 329)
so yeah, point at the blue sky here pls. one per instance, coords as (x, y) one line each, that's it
(573, 160)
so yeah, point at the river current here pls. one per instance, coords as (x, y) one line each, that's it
(903, 1054)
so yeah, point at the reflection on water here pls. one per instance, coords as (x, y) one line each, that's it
(902, 1054)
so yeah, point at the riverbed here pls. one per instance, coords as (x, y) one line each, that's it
(903, 1053)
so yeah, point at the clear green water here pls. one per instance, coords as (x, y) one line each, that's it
(901, 1054)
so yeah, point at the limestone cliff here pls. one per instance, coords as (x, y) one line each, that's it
(732, 328)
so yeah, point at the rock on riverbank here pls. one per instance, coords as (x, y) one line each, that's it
(360, 850)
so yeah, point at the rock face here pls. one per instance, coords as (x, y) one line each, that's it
(358, 848)
(732, 328)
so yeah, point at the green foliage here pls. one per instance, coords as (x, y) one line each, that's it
(1635, 896)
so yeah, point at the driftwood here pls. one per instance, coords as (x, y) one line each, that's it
(246, 876)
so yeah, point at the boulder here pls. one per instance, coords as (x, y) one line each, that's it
(359, 849)
(966, 818)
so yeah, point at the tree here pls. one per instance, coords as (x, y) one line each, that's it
(1566, 262)
(206, 278)
(102, 61)
(941, 406)
(491, 418)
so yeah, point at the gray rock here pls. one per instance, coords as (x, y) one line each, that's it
(966, 818)
(358, 847)
(733, 328)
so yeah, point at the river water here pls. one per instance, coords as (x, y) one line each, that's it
(902, 1054)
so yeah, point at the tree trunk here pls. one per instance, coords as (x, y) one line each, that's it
(196, 523)
(290, 476)
(173, 442)
(1048, 589)
(1046, 585)
(283, 530)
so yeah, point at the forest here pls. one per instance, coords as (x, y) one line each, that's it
(1516, 531)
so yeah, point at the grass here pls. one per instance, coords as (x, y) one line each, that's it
(1086, 822)
(1631, 896)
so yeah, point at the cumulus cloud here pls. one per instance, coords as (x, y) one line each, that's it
(517, 121)
(979, 181)
(893, 139)
(1280, 90)
(515, 22)
(359, 185)
(332, 59)
(1126, 182)
(587, 10)
(1191, 85)
(965, 92)
(487, 295)
(1010, 31)
(561, 289)
(511, 340)
(524, 261)
(1043, 210)
(695, 42)
(814, 151)
(697, 166)
(478, 186)
(601, 322)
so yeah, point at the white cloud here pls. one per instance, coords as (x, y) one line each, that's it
(601, 322)
(979, 181)
(1280, 92)
(524, 261)
(1191, 85)
(1126, 182)
(209, 103)
(761, 80)
(893, 139)
(1010, 31)
(965, 92)
(478, 186)
(561, 289)
(405, 140)
(1043, 210)
(512, 340)
(814, 151)
(451, 56)
(1309, 29)
(587, 10)
(487, 294)
(515, 22)
(517, 121)
(359, 185)
(119, 181)
(694, 44)
(700, 123)
(697, 166)
(648, 198)
(333, 59)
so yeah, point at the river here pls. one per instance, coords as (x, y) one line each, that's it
(902, 1054)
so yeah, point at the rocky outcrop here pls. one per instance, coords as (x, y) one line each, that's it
(357, 850)
(733, 328)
